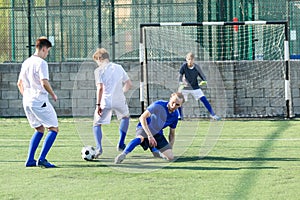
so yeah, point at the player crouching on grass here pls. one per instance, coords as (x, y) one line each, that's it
(149, 132)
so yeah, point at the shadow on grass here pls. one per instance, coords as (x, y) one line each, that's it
(248, 159)
(243, 188)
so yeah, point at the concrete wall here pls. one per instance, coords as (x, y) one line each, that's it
(74, 85)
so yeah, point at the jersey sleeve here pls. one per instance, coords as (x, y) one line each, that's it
(174, 124)
(97, 76)
(125, 76)
(200, 73)
(181, 72)
(43, 72)
(152, 107)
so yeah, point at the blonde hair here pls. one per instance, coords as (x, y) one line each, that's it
(178, 95)
(100, 54)
(190, 55)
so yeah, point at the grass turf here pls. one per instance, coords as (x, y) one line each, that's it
(253, 159)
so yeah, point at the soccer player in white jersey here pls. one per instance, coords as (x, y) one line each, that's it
(33, 84)
(112, 82)
(189, 85)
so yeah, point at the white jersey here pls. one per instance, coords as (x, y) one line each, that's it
(37, 107)
(112, 76)
(33, 70)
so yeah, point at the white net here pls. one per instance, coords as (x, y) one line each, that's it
(244, 66)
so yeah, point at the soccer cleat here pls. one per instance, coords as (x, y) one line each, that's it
(30, 163)
(98, 153)
(120, 158)
(121, 147)
(44, 163)
(216, 117)
(158, 154)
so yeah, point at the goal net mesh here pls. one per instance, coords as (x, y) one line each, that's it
(244, 66)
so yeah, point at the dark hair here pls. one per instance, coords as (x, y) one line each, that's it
(42, 42)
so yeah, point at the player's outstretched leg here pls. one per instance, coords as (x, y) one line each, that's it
(131, 145)
(34, 143)
(49, 140)
(209, 108)
(98, 139)
(123, 131)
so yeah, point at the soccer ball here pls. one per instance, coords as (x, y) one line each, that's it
(88, 153)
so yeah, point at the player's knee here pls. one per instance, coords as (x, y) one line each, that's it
(40, 129)
(54, 129)
(141, 137)
(168, 155)
(170, 158)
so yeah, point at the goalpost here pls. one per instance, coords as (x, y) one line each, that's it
(246, 63)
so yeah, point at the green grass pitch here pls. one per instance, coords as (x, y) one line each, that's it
(252, 159)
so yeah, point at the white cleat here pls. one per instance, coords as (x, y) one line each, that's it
(120, 158)
(216, 117)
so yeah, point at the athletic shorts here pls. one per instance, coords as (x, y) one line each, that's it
(197, 94)
(120, 110)
(41, 113)
(162, 143)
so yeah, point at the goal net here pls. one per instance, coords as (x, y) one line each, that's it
(246, 65)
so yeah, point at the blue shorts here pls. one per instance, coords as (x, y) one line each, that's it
(162, 143)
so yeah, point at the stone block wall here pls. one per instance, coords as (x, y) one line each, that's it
(74, 85)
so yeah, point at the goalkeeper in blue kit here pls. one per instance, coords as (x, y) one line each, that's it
(188, 84)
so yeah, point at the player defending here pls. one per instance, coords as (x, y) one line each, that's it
(149, 132)
(33, 84)
(190, 71)
(112, 82)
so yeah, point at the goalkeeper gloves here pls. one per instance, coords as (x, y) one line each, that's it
(181, 86)
(202, 83)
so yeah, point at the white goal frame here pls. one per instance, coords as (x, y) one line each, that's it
(143, 55)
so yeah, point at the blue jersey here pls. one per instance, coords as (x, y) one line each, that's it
(160, 117)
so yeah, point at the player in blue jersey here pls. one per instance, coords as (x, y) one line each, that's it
(149, 131)
(188, 84)
(33, 84)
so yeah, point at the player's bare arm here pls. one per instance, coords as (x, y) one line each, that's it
(127, 85)
(172, 136)
(45, 83)
(143, 120)
(99, 97)
(20, 86)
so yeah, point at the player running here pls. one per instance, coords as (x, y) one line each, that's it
(112, 82)
(188, 84)
(33, 84)
(149, 132)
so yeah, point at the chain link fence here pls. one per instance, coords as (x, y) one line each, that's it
(78, 27)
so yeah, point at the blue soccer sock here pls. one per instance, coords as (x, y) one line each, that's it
(131, 145)
(153, 149)
(98, 137)
(207, 105)
(33, 145)
(123, 130)
(49, 140)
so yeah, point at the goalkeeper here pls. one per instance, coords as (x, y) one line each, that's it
(188, 84)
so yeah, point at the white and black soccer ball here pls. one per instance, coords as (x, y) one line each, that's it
(88, 153)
